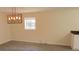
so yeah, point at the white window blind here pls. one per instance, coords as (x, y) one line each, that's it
(30, 23)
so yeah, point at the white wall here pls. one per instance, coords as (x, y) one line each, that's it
(4, 29)
(53, 27)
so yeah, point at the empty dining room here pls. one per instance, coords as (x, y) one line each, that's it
(39, 29)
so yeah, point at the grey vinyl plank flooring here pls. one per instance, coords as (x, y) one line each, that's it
(28, 46)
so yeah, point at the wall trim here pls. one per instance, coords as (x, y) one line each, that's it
(4, 41)
(43, 42)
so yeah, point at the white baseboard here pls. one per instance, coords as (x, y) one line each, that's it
(4, 41)
(44, 43)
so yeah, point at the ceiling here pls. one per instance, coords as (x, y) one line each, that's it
(24, 9)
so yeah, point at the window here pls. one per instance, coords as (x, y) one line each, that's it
(30, 23)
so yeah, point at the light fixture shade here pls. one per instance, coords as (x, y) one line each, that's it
(14, 19)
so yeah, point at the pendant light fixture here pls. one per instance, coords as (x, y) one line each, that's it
(14, 17)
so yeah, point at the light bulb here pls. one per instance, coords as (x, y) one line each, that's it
(16, 17)
(19, 18)
(9, 18)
